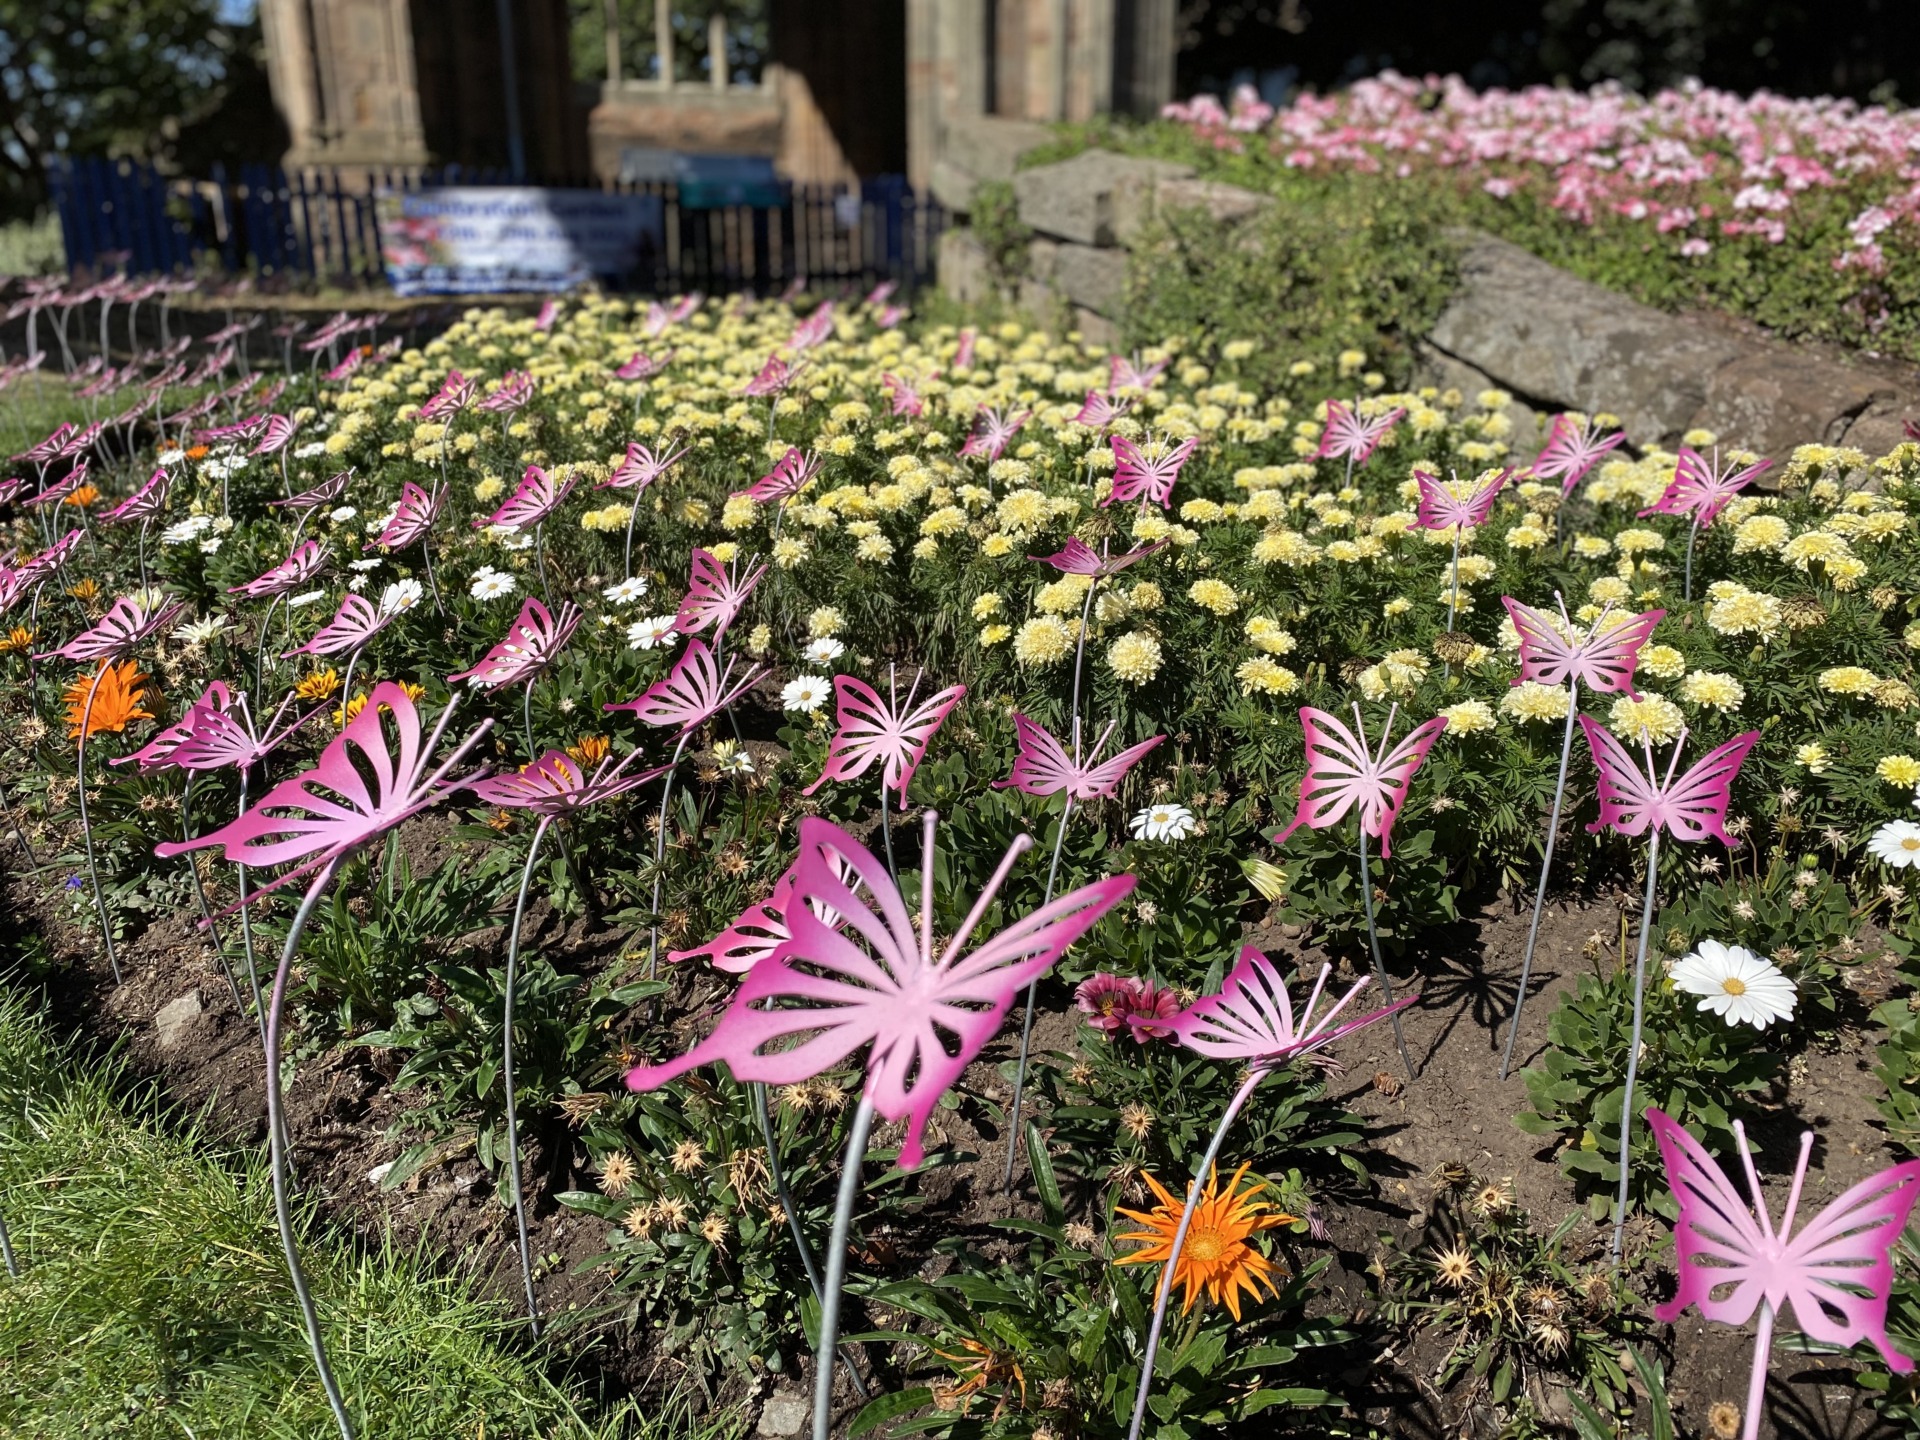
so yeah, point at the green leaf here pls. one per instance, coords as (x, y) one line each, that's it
(1044, 1180)
(889, 1407)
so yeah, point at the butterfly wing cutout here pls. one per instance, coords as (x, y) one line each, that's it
(713, 596)
(1136, 475)
(1690, 809)
(157, 753)
(1340, 774)
(869, 730)
(1604, 661)
(535, 640)
(331, 488)
(124, 626)
(692, 692)
(215, 740)
(356, 622)
(1251, 1017)
(831, 989)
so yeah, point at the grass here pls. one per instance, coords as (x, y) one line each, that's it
(152, 1301)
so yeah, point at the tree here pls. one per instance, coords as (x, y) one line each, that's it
(112, 78)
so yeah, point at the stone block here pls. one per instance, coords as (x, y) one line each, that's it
(785, 1414)
(1778, 397)
(1091, 277)
(1096, 329)
(964, 271)
(1074, 199)
(977, 148)
(1134, 202)
(1444, 372)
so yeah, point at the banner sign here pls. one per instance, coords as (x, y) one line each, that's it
(469, 239)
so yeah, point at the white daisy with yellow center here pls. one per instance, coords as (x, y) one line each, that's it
(1736, 984)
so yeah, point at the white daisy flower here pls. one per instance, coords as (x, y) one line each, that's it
(185, 531)
(223, 525)
(654, 631)
(490, 584)
(626, 592)
(732, 758)
(805, 694)
(340, 514)
(169, 455)
(824, 651)
(1163, 822)
(211, 545)
(517, 540)
(312, 450)
(309, 598)
(357, 584)
(202, 632)
(365, 565)
(1896, 843)
(401, 595)
(1736, 984)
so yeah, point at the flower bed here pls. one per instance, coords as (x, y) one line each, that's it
(736, 588)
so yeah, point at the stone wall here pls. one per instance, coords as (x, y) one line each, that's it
(1554, 341)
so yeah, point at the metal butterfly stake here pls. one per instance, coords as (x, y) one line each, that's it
(1250, 1021)
(1634, 802)
(532, 645)
(1342, 775)
(1836, 1274)
(1351, 437)
(1443, 507)
(1604, 659)
(536, 497)
(639, 470)
(1700, 491)
(318, 820)
(1143, 477)
(412, 523)
(865, 978)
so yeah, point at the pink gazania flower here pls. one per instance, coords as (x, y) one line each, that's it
(1153, 1005)
(1108, 1001)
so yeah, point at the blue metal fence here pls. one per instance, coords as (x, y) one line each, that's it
(322, 226)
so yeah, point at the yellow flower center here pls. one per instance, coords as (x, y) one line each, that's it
(1206, 1246)
(1910, 843)
(1734, 985)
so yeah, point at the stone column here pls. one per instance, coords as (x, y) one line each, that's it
(717, 49)
(611, 12)
(663, 40)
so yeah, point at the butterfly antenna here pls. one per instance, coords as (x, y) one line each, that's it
(1598, 620)
(1674, 764)
(1021, 844)
(913, 689)
(893, 688)
(1307, 1027)
(927, 823)
(1561, 601)
(1646, 745)
(1799, 1179)
(1753, 1180)
(1360, 729)
(1098, 745)
(1386, 738)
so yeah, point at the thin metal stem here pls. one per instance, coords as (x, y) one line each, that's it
(426, 553)
(540, 563)
(632, 516)
(758, 1089)
(1026, 1025)
(886, 829)
(1165, 1288)
(6, 1250)
(1633, 1044)
(200, 893)
(1453, 598)
(1373, 942)
(246, 931)
(277, 1150)
(1546, 868)
(1693, 530)
(660, 864)
(506, 1067)
(1757, 1385)
(837, 1269)
(86, 827)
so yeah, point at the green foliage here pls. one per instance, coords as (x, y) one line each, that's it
(995, 222)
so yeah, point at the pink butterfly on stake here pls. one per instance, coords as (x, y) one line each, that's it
(1341, 774)
(963, 350)
(643, 366)
(453, 396)
(1076, 557)
(761, 929)
(275, 435)
(1836, 1274)
(774, 377)
(536, 497)
(143, 504)
(1573, 450)
(324, 493)
(692, 693)
(991, 431)
(1350, 436)
(1603, 661)
(1125, 374)
(60, 489)
(306, 561)
(1136, 475)
(356, 622)
(640, 469)
(364, 785)
(714, 595)
(1701, 491)
(901, 396)
(871, 729)
(1689, 809)
(516, 389)
(872, 981)
(157, 753)
(1251, 1018)
(549, 312)
(48, 448)
(787, 478)
(531, 646)
(1043, 766)
(556, 785)
(812, 330)
(1441, 508)
(129, 621)
(38, 568)
(1101, 409)
(219, 737)
(412, 518)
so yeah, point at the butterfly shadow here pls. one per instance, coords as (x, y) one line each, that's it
(1821, 1400)
(1453, 982)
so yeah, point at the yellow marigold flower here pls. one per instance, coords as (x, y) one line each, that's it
(996, 545)
(1663, 661)
(947, 520)
(825, 622)
(789, 551)
(1848, 680)
(1901, 770)
(1713, 690)
(1135, 657)
(726, 552)
(1895, 695)
(1214, 595)
(1745, 612)
(1697, 438)
(1285, 547)
(1023, 512)
(1654, 716)
(1815, 545)
(1264, 677)
(1468, 716)
(995, 634)
(1609, 590)
(1043, 640)
(874, 548)
(1637, 541)
(1268, 636)
(1814, 757)
(1064, 596)
(738, 513)
(1592, 547)
(1761, 532)
(1526, 537)
(987, 603)
(1145, 597)
(1201, 512)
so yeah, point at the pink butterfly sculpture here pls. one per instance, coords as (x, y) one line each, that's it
(1689, 809)
(890, 316)
(549, 312)
(1043, 766)
(787, 478)
(1100, 410)
(143, 504)
(127, 622)
(224, 736)
(870, 729)
(453, 396)
(1138, 476)
(1836, 1274)
(11, 487)
(1076, 557)
(1573, 450)
(1701, 491)
(536, 497)
(761, 929)
(1342, 774)
(80, 441)
(640, 469)
(1132, 374)
(412, 518)
(1352, 437)
(714, 595)
(157, 753)
(1250, 1021)
(59, 489)
(275, 435)
(902, 397)
(533, 644)
(324, 493)
(774, 377)
(643, 367)
(963, 349)
(872, 981)
(882, 292)
(356, 357)
(812, 330)
(48, 448)
(692, 693)
(1441, 508)
(515, 390)
(356, 622)
(990, 433)
(1603, 661)
(36, 569)
(307, 560)
(556, 785)
(365, 784)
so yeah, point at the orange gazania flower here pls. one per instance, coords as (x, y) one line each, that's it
(85, 591)
(1216, 1258)
(196, 452)
(413, 692)
(319, 685)
(19, 638)
(353, 707)
(81, 496)
(590, 750)
(118, 700)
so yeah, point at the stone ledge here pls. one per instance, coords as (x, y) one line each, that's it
(1076, 199)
